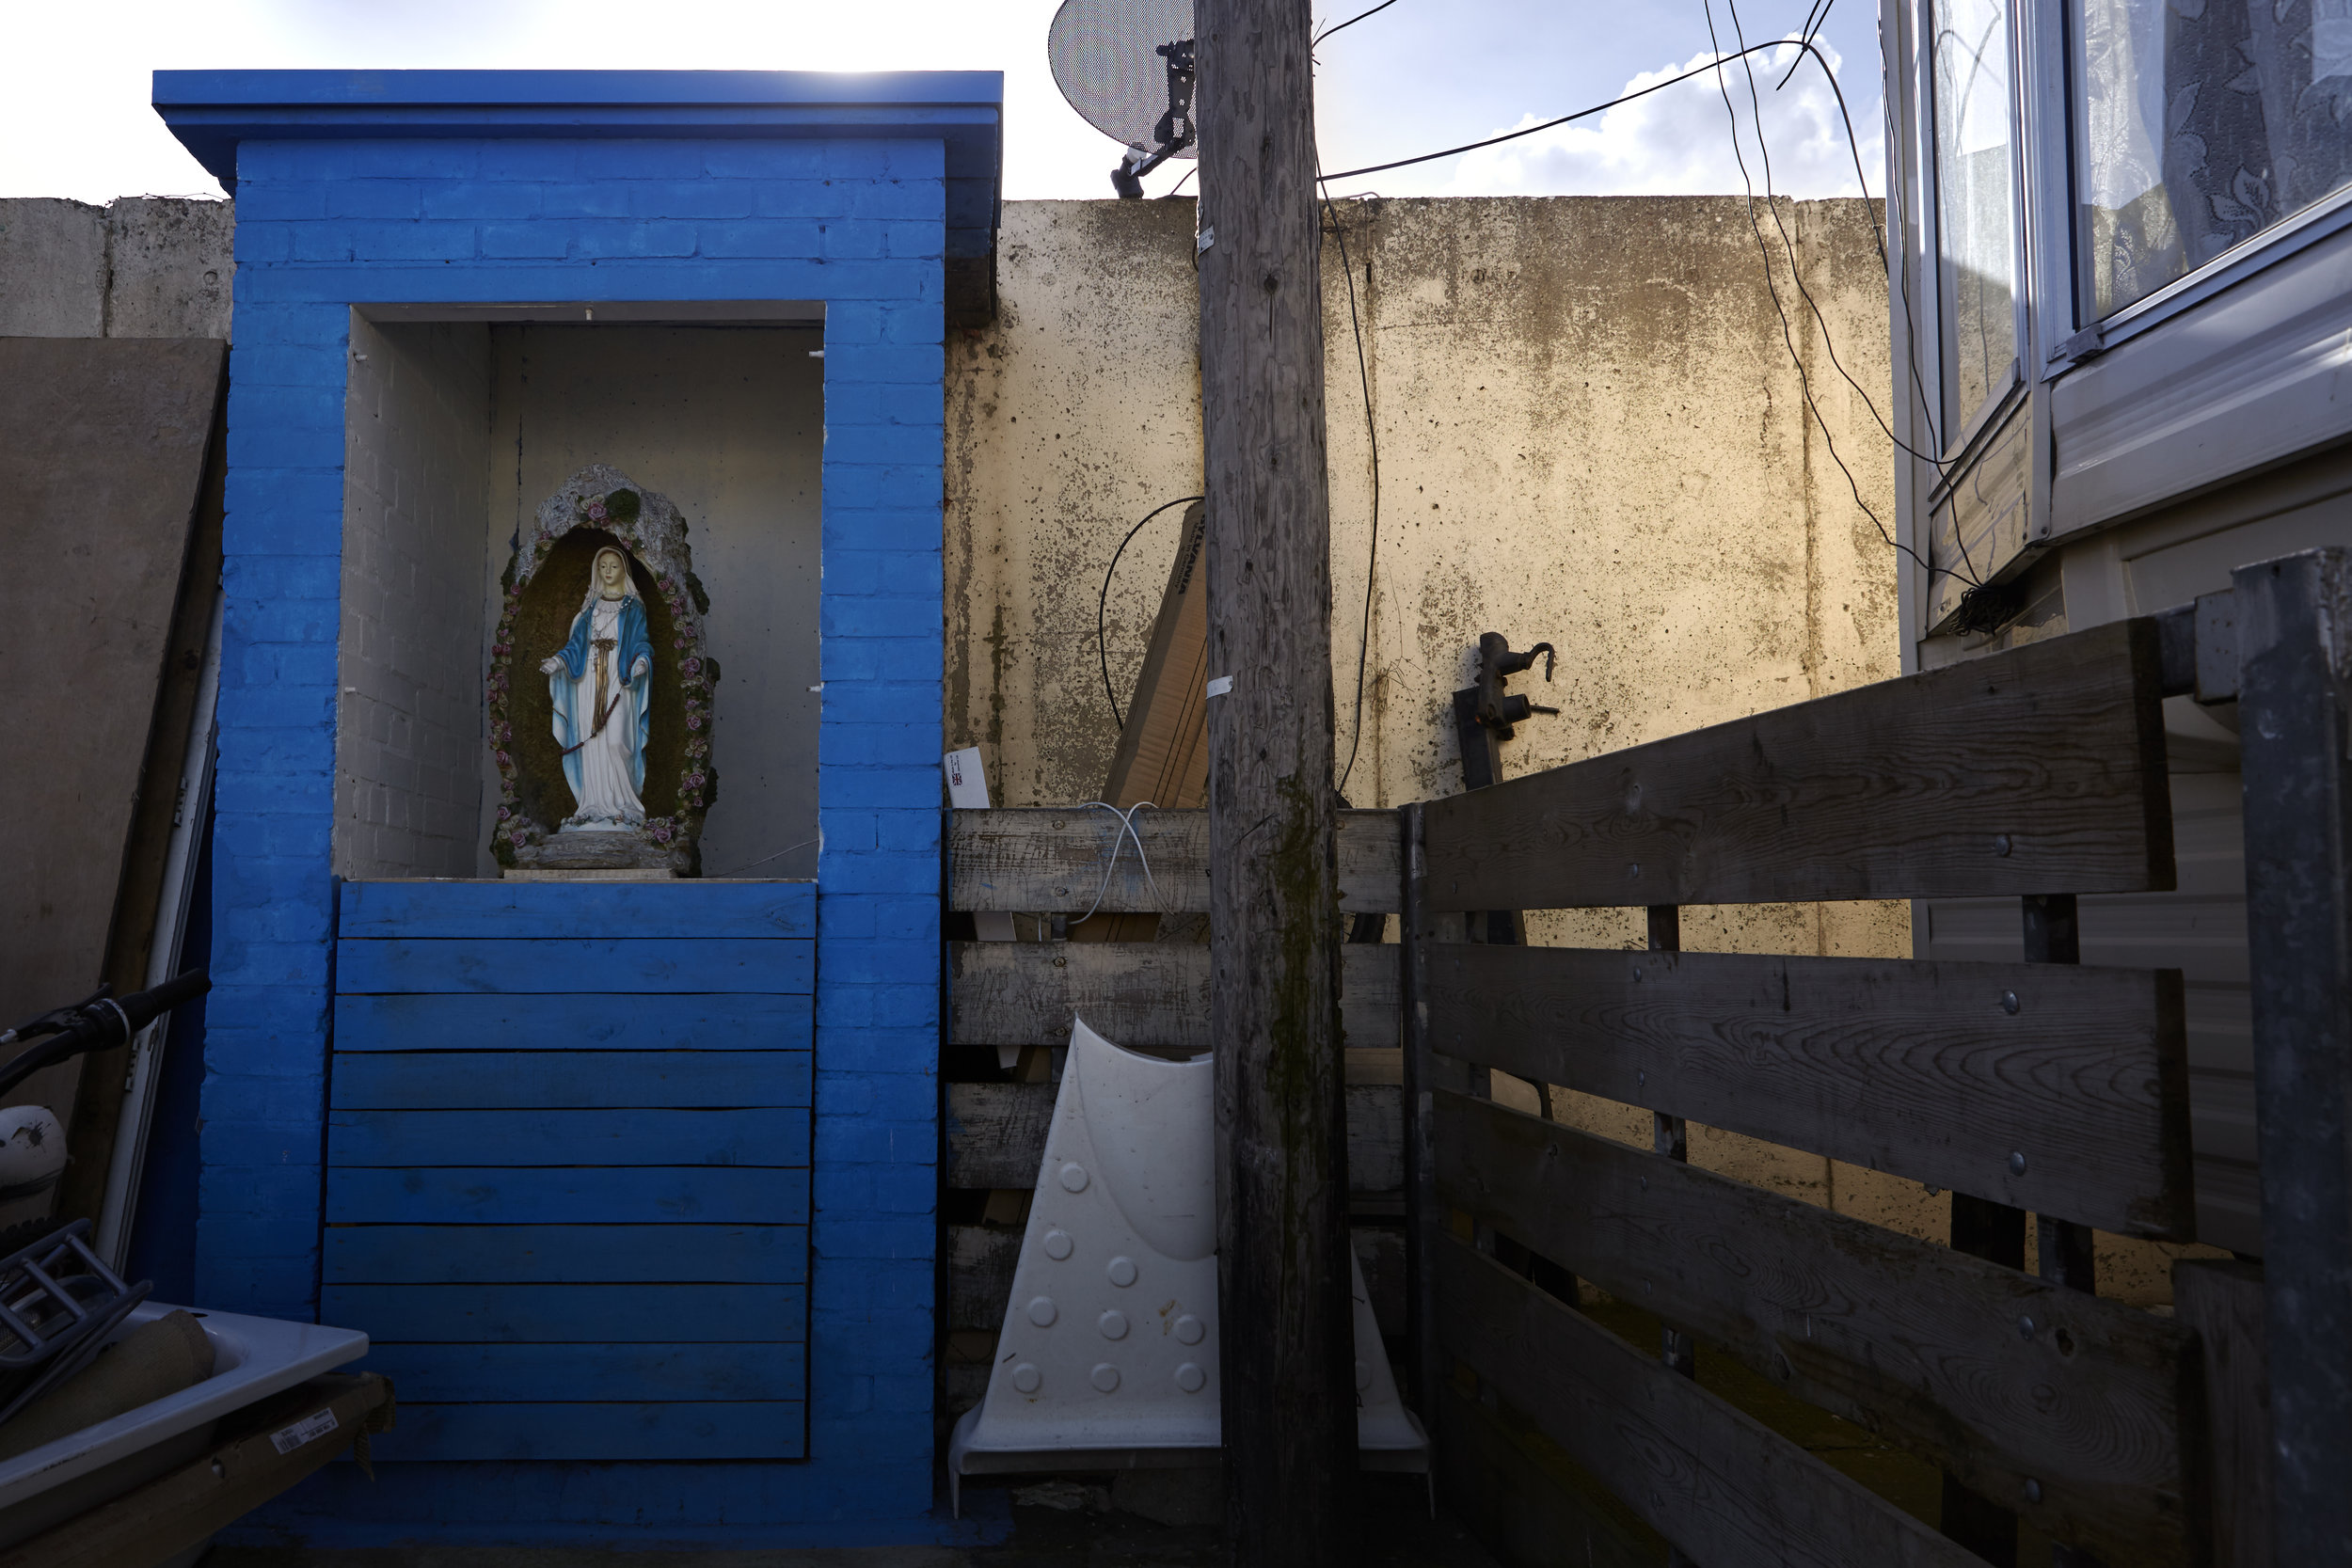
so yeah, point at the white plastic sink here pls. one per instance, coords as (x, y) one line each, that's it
(252, 1358)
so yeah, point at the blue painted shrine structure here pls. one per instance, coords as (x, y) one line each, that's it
(632, 1184)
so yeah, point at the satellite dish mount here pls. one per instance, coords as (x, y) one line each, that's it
(1175, 131)
(1127, 67)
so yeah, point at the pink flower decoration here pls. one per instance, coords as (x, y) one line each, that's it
(596, 511)
(693, 721)
(505, 761)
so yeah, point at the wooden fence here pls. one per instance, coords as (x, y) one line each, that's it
(2045, 1091)
(1150, 995)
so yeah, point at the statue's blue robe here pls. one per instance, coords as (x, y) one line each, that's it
(570, 728)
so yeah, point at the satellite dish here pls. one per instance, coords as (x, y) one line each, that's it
(1126, 67)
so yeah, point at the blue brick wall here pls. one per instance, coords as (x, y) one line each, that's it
(859, 224)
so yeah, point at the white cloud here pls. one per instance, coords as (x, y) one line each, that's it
(1678, 141)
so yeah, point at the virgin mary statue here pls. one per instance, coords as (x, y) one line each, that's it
(600, 713)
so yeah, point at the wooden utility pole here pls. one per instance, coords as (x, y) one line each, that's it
(1284, 1314)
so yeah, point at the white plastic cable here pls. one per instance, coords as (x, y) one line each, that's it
(1125, 830)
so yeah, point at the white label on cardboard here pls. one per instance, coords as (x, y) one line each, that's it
(967, 780)
(308, 1429)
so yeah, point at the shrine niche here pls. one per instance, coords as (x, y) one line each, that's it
(600, 687)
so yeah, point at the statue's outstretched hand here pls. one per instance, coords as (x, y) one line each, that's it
(551, 664)
(637, 671)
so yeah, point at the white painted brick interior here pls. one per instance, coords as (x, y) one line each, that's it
(408, 745)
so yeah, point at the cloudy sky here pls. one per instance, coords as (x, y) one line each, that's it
(1422, 74)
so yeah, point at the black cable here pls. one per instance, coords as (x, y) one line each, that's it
(1586, 114)
(1350, 22)
(1806, 34)
(1372, 435)
(1853, 145)
(1102, 606)
(1796, 274)
(1788, 335)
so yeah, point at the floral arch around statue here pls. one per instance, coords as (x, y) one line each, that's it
(600, 686)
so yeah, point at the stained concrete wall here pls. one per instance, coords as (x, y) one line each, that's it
(140, 267)
(1592, 431)
(408, 734)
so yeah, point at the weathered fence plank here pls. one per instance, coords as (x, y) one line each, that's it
(711, 1137)
(1721, 1486)
(531, 1080)
(1049, 859)
(653, 1254)
(1134, 994)
(564, 1194)
(2001, 1378)
(2034, 771)
(691, 908)
(569, 1314)
(530, 966)
(580, 1021)
(748, 1429)
(1941, 1072)
(626, 1372)
(980, 1261)
(2221, 1299)
(996, 1136)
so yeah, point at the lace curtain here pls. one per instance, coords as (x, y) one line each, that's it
(2200, 124)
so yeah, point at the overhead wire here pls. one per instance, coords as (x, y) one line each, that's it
(1806, 49)
(1102, 606)
(1796, 275)
(1372, 438)
(1788, 334)
(1588, 113)
(1811, 30)
(1349, 23)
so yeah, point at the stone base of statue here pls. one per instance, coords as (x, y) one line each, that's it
(603, 851)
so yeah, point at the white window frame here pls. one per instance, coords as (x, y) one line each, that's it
(2212, 377)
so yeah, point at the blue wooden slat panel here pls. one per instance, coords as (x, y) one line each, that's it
(442, 1194)
(531, 966)
(572, 1021)
(623, 1373)
(569, 1314)
(566, 1254)
(692, 909)
(589, 1431)
(769, 1137)
(490, 1080)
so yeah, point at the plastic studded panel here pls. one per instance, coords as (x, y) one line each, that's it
(1109, 1341)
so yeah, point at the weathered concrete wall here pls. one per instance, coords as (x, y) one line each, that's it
(140, 267)
(1590, 432)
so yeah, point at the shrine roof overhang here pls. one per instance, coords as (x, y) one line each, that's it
(212, 112)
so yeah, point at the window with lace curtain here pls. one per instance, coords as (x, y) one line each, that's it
(2199, 124)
